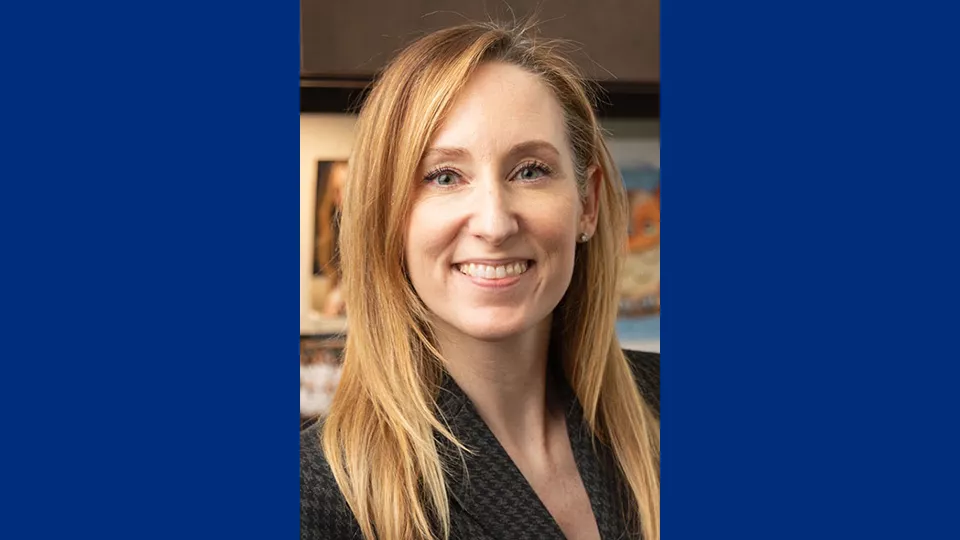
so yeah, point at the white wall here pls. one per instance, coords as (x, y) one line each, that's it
(634, 142)
(322, 137)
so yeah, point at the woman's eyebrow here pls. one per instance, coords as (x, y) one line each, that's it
(517, 150)
(446, 153)
(533, 147)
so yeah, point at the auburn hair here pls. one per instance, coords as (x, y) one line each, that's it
(379, 435)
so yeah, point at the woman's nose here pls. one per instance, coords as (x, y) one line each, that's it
(494, 218)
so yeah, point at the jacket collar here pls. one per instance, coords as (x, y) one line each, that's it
(490, 488)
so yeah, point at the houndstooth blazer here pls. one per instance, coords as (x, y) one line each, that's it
(497, 503)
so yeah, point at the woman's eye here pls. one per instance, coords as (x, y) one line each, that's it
(445, 179)
(442, 178)
(531, 172)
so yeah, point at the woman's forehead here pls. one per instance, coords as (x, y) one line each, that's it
(502, 106)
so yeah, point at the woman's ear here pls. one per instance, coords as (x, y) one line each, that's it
(591, 203)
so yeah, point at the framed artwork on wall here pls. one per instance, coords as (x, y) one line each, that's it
(330, 179)
(640, 294)
(638, 325)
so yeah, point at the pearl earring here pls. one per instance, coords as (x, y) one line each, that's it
(583, 237)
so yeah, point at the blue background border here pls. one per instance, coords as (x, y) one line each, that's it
(809, 277)
(149, 180)
(806, 383)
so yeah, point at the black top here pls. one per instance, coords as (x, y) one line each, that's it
(498, 502)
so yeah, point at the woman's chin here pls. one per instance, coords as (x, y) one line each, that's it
(493, 324)
(492, 333)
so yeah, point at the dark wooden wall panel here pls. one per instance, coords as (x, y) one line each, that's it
(620, 39)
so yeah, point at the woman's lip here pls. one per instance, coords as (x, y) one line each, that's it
(491, 283)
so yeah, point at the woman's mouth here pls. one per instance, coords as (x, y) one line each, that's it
(494, 272)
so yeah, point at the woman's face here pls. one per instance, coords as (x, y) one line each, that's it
(492, 234)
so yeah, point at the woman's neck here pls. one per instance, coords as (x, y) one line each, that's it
(507, 381)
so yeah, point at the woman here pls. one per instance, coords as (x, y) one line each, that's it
(484, 393)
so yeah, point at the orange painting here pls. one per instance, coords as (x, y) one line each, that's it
(641, 282)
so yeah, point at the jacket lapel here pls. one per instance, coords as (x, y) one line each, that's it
(489, 487)
(486, 484)
(599, 475)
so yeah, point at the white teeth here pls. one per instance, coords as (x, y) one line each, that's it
(493, 272)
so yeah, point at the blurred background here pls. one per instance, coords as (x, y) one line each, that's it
(616, 44)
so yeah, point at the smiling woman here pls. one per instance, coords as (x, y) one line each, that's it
(484, 393)
(499, 191)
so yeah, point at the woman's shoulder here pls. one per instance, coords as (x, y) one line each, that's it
(646, 371)
(313, 463)
(324, 513)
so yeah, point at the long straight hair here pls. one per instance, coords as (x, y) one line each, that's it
(379, 435)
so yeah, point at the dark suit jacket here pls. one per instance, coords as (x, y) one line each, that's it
(497, 503)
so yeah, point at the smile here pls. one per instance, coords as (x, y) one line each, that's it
(493, 271)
